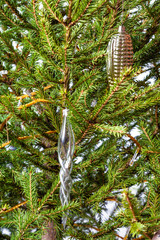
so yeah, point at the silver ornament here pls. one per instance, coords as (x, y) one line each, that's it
(156, 236)
(119, 54)
(66, 144)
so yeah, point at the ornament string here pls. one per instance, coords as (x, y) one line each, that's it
(122, 14)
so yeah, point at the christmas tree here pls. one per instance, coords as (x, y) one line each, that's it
(53, 56)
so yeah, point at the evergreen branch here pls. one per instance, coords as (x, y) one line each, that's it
(134, 140)
(157, 121)
(101, 5)
(88, 226)
(60, 69)
(119, 236)
(70, 9)
(13, 208)
(30, 189)
(74, 22)
(48, 40)
(155, 22)
(101, 231)
(34, 102)
(48, 196)
(15, 11)
(51, 11)
(25, 229)
(2, 125)
(16, 56)
(101, 36)
(33, 93)
(155, 152)
(8, 45)
(8, 18)
(84, 134)
(57, 3)
(80, 82)
(147, 135)
(130, 206)
(66, 69)
(147, 204)
(133, 214)
(26, 95)
(138, 238)
(51, 80)
(77, 111)
(5, 144)
(147, 91)
(34, 13)
(104, 232)
(113, 129)
(146, 235)
(35, 136)
(111, 94)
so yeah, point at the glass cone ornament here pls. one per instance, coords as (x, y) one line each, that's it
(119, 54)
(66, 144)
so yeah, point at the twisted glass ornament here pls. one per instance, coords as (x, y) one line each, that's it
(119, 54)
(65, 152)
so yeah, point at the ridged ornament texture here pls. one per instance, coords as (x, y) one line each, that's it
(119, 54)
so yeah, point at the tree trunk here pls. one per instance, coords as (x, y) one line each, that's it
(49, 232)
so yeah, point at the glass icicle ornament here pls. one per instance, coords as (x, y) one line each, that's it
(119, 54)
(65, 152)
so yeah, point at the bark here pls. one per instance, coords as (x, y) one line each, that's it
(49, 232)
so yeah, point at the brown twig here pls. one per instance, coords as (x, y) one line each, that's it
(146, 235)
(57, 3)
(77, 111)
(147, 135)
(153, 152)
(8, 18)
(54, 15)
(3, 124)
(5, 144)
(33, 93)
(84, 134)
(157, 122)
(13, 208)
(138, 238)
(154, 86)
(14, 11)
(130, 206)
(134, 216)
(134, 140)
(35, 136)
(147, 205)
(3, 211)
(34, 12)
(70, 9)
(34, 102)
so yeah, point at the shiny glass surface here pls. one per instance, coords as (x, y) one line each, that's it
(66, 144)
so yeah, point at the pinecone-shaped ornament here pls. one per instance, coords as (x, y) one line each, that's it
(119, 54)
